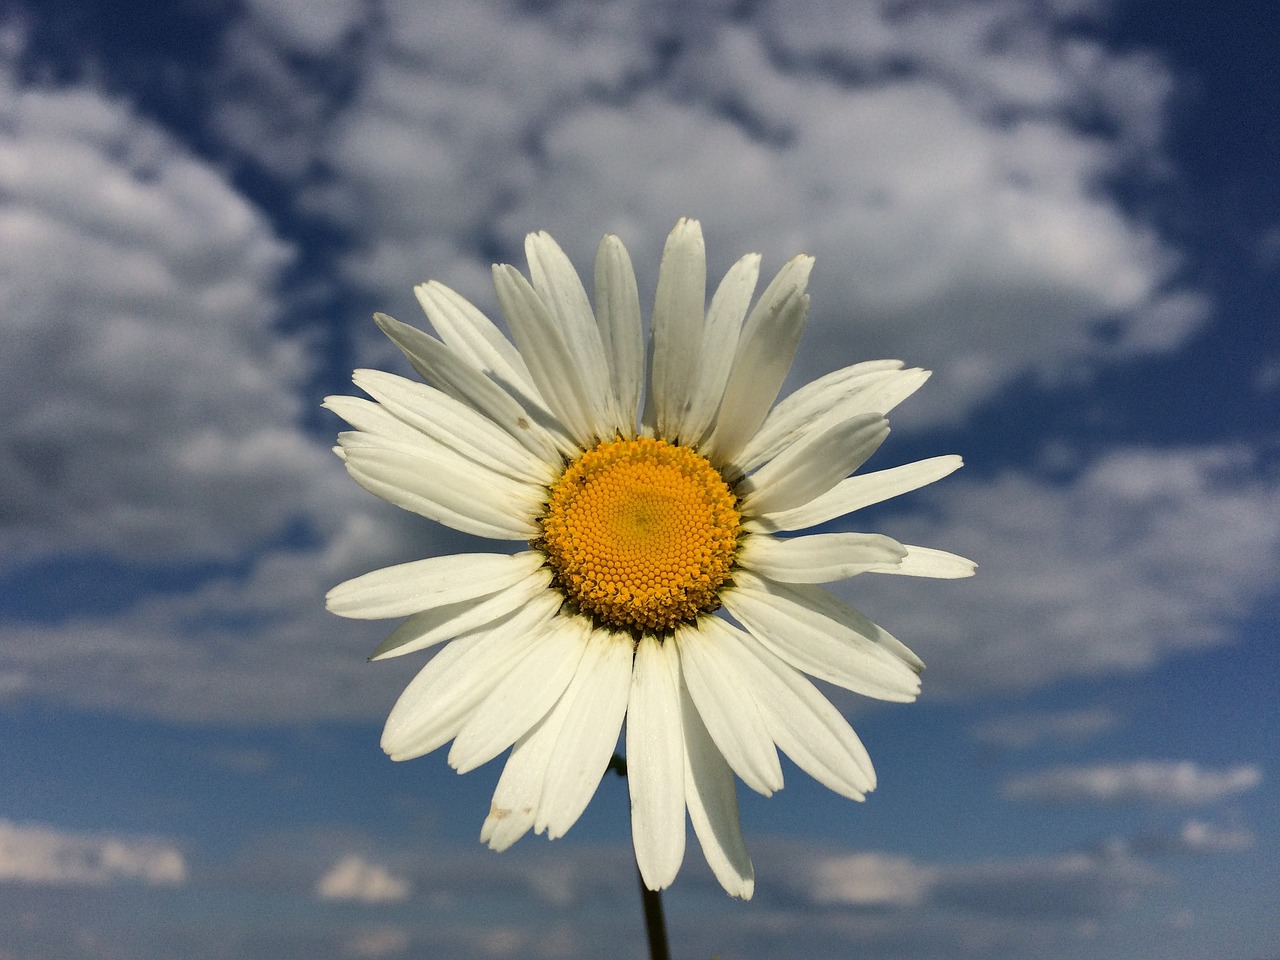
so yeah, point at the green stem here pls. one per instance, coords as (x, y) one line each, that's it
(655, 923)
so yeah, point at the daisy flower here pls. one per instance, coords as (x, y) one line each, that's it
(660, 584)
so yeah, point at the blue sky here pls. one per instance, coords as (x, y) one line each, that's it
(1068, 209)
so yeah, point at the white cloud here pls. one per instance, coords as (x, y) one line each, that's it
(983, 249)
(554, 878)
(263, 105)
(1267, 376)
(937, 160)
(314, 27)
(1266, 251)
(153, 414)
(437, 137)
(475, 122)
(1144, 781)
(254, 648)
(1145, 553)
(797, 881)
(819, 901)
(246, 761)
(12, 684)
(380, 942)
(869, 879)
(151, 409)
(354, 878)
(1196, 838)
(1068, 885)
(1019, 731)
(43, 855)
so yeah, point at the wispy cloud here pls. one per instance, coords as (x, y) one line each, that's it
(1195, 838)
(1144, 781)
(33, 853)
(1022, 730)
(1074, 885)
(378, 942)
(1071, 884)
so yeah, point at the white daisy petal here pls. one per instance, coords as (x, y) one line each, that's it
(444, 487)
(420, 721)
(523, 696)
(813, 466)
(552, 362)
(820, 558)
(426, 629)
(927, 562)
(529, 421)
(804, 724)
(720, 345)
(872, 392)
(765, 350)
(725, 704)
(810, 401)
(618, 314)
(677, 323)
(857, 492)
(369, 417)
(712, 799)
(519, 790)
(595, 703)
(656, 763)
(795, 622)
(456, 425)
(560, 287)
(828, 605)
(425, 584)
(438, 700)
(475, 337)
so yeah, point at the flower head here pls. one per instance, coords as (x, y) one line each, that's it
(655, 587)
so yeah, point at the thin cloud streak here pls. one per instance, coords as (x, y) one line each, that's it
(33, 853)
(1023, 730)
(1142, 781)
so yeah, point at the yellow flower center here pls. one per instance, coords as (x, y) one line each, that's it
(641, 533)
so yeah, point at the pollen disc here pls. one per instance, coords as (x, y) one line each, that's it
(641, 533)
